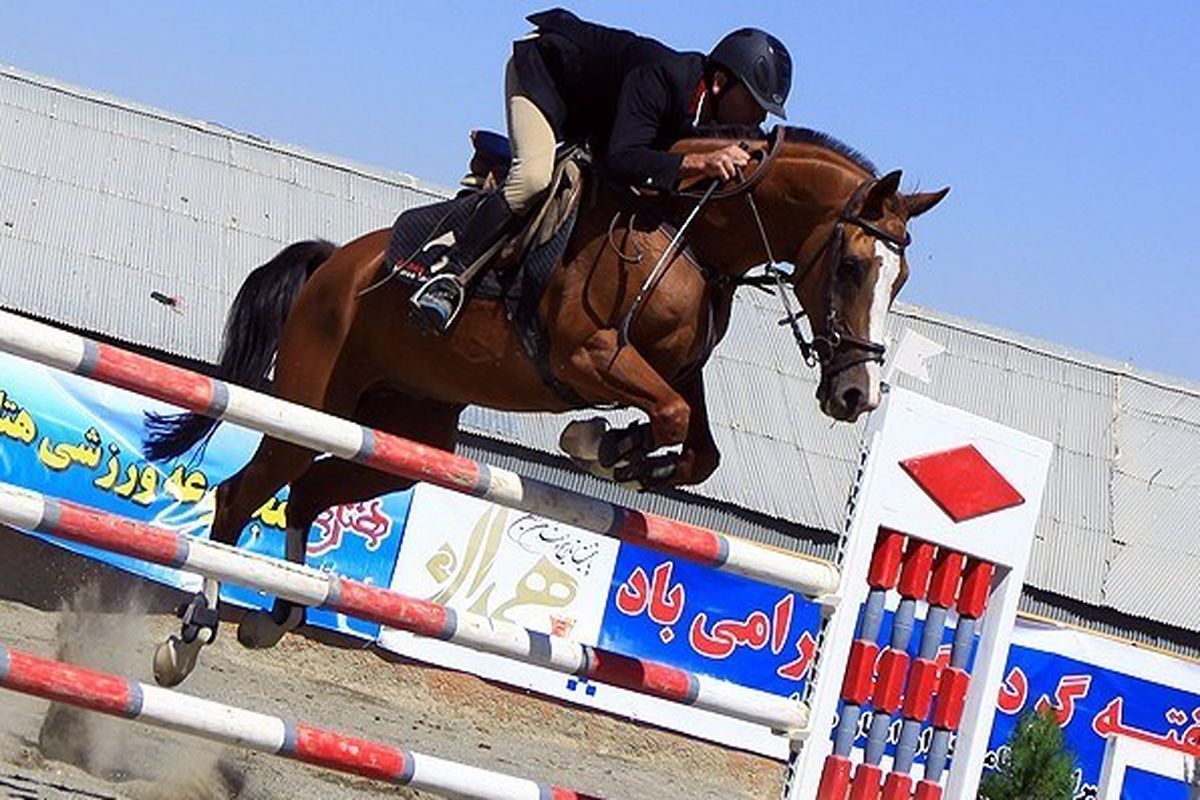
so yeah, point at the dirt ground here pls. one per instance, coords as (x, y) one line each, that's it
(58, 605)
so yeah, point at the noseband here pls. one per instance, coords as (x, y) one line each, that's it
(836, 339)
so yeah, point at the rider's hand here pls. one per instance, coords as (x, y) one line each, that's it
(723, 163)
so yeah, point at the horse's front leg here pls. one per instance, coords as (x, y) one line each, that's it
(600, 371)
(700, 456)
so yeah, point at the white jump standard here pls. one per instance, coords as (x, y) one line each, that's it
(965, 494)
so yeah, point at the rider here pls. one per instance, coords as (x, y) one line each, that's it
(629, 98)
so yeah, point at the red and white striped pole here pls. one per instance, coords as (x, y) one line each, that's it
(32, 511)
(121, 697)
(349, 440)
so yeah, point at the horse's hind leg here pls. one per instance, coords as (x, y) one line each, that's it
(310, 350)
(331, 481)
(237, 498)
(313, 335)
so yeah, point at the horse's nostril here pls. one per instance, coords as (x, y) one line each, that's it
(852, 399)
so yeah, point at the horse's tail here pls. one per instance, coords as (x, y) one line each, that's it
(252, 333)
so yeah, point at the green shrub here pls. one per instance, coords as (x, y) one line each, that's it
(1036, 766)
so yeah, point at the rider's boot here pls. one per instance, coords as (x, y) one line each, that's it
(440, 298)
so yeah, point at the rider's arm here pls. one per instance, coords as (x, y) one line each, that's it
(643, 106)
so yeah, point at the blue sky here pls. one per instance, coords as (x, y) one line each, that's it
(1069, 131)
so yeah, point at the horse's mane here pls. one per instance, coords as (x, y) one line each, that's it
(790, 134)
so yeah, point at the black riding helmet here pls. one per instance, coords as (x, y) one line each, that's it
(759, 60)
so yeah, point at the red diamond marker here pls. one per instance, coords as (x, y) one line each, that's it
(962, 482)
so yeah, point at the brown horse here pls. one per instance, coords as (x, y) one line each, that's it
(807, 200)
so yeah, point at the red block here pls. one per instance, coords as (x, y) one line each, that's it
(868, 780)
(893, 670)
(835, 779)
(922, 682)
(885, 562)
(951, 699)
(962, 483)
(898, 786)
(860, 672)
(914, 576)
(976, 588)
(947, 572)
(927, 790)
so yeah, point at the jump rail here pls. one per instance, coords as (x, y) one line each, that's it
(121, 697)
(349, 440)
(84, 525)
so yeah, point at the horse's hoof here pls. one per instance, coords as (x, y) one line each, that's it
(174, 660)
(622, 447)
(651, 472)
(581, 439)
(259, 630)
(603, 473)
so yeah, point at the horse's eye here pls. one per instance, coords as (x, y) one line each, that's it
(852, 270)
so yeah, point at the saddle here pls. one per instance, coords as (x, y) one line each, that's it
(489, 163)
(420, 237)
(518, 269)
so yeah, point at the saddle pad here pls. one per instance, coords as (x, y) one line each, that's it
(421, 236)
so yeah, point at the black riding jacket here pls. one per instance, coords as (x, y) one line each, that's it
(629, 97)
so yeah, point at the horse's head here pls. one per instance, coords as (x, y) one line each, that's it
(846, 276)
(808, 199)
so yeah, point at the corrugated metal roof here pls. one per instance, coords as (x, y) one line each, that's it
(103, 201)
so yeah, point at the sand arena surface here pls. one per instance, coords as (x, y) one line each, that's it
(62, 606)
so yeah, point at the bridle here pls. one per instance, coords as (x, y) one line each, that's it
(825, 347)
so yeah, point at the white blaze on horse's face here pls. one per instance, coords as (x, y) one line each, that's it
(881, 300)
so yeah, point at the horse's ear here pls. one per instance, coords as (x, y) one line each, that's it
(880, 190)
(917, 204)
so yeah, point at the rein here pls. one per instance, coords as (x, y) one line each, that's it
(775, 145)
(824, 348)
(660, 267)
(775, 140)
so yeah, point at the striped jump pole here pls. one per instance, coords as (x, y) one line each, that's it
(32, 511)
(383, 451)
(121, 697)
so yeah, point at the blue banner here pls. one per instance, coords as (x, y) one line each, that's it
(1108, 688)
(79, 440)
(1141, 785)
(709, 622)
